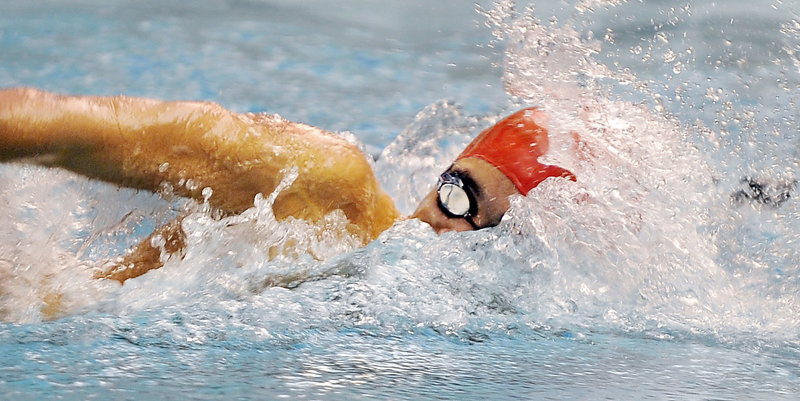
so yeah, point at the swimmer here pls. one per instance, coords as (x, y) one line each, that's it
(147, 144)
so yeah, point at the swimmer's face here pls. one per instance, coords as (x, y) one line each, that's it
(488, 189)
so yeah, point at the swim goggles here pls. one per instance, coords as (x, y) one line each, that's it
(456, 197)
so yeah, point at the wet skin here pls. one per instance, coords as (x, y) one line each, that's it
(142, 143)
(492, 192)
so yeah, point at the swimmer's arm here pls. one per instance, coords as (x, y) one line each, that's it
(139, 143)
(145, 143)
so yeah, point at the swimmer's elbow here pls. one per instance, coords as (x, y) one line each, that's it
(366, 204)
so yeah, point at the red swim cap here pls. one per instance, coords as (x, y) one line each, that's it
(514, 146)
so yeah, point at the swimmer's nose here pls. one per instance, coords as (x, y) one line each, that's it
(429, 212)
(449, 224)
(442, 230)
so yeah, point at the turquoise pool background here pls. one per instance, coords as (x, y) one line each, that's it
(412, 316)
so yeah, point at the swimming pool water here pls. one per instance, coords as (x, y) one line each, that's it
(649, 282)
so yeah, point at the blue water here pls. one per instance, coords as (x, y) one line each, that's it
(643, 280)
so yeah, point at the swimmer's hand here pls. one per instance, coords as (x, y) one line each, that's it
(767, 193)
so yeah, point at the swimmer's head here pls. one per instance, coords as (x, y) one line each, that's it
(503, 160)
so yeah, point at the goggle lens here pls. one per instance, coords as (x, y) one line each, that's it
(454, 199)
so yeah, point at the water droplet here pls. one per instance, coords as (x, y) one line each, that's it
(192, 185)
(609, 36)
(669, 56)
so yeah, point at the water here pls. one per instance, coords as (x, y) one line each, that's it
(645, 279)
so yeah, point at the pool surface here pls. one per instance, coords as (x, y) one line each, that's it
(669, 270)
